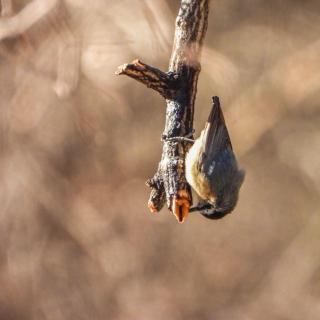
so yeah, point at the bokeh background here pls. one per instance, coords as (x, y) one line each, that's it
(77, 144)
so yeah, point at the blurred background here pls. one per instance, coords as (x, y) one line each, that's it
(77, 144)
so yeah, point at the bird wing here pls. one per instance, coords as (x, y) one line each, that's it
(216, 133)
(215, 138)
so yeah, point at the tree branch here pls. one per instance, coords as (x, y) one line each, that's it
(179, 87)
(157, 197)
(164, 83)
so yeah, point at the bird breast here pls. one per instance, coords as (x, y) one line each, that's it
(194, 176)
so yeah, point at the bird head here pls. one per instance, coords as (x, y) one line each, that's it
(226, 198)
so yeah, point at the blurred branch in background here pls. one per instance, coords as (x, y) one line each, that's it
(292, 74)
(69, 57)
(68, 63)
(6, 8)
(28, 16)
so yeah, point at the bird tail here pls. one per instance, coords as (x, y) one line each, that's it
(216, 115)
(216, 136)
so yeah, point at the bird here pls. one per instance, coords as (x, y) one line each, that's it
(212, 168)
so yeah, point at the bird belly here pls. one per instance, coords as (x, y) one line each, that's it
(195, 178)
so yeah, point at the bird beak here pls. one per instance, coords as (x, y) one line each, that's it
(180, 206)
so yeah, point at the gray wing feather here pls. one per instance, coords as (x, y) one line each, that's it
(216, 138)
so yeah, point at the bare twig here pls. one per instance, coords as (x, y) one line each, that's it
(179, 87)
(164, 83)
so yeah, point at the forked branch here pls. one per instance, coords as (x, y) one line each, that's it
(179, 87)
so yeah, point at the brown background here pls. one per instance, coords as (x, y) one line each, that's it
(76, 238)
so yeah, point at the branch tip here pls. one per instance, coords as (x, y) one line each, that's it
(180, 205)
(153, 78)
(121, 69)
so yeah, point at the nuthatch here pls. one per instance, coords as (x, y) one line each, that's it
(212, 169)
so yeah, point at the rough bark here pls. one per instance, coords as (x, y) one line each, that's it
(178, 86)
